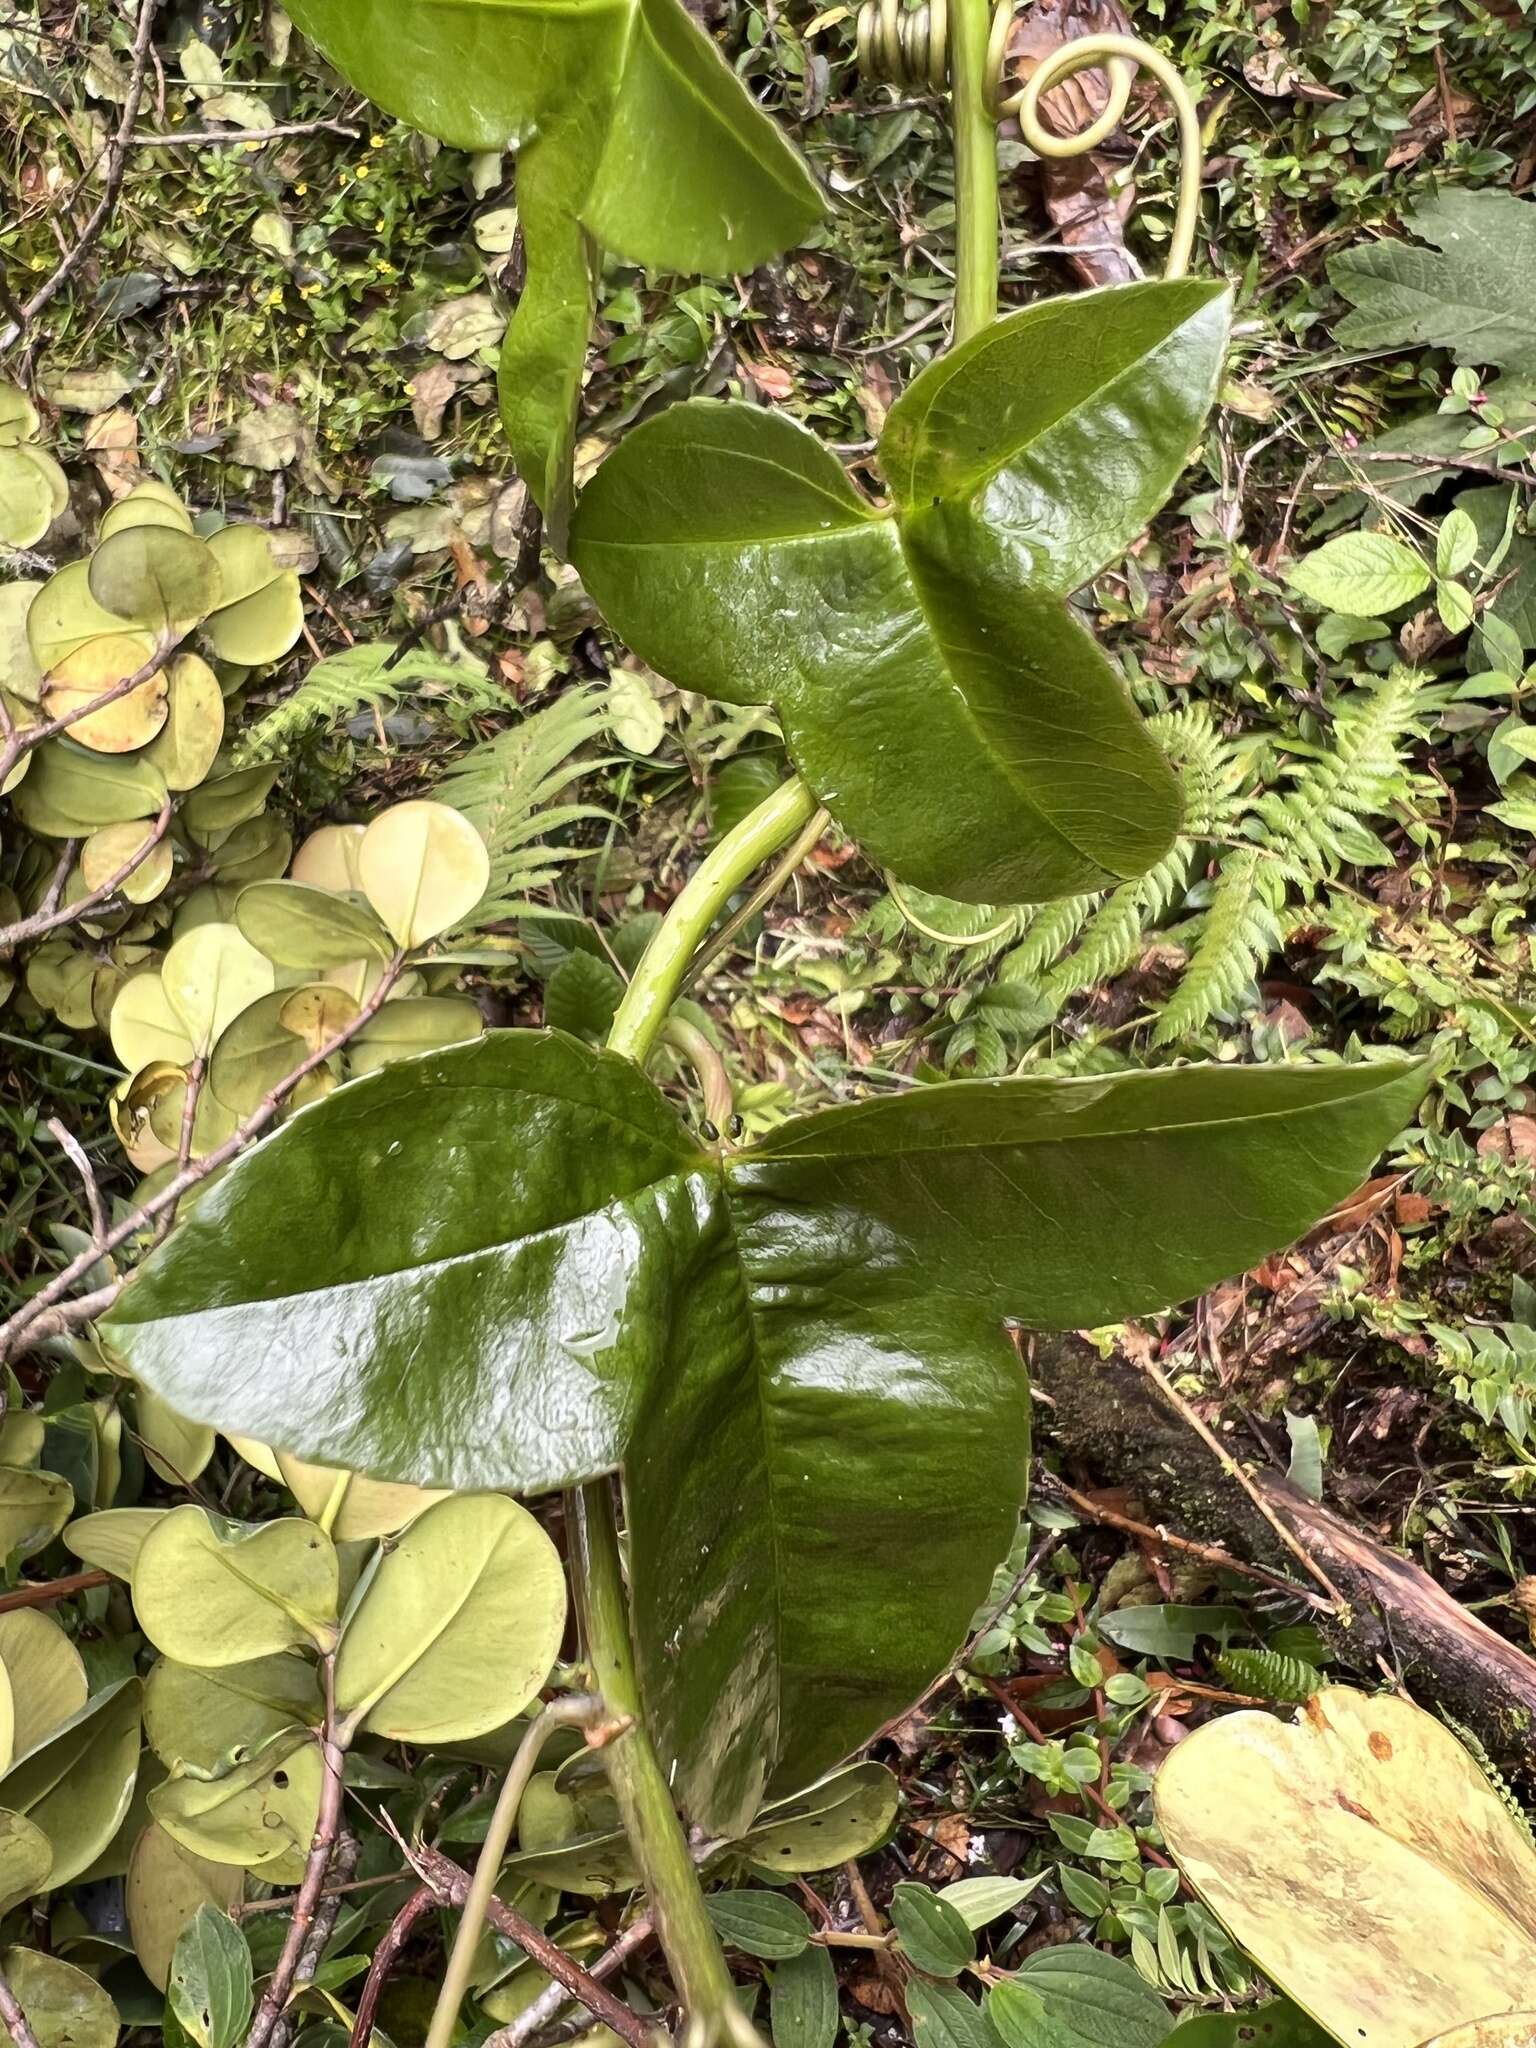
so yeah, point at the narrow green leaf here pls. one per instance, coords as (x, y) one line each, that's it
(980, 1900)
(943, 2016)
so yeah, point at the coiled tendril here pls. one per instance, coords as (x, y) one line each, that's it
(909, 46)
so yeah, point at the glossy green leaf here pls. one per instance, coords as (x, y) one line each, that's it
(802, 2001)
(65, 2007)
(211, 1980)
(206, 1722)
(932, 1933)
(456, 1626)
(210, 1592)
(635, 136)
(164, 1888)
(1075, 1996)
(799, 1348)
(298, 926)
(261, 1814)
(76, 1785)
(25, 1859)
(759, 1923)
(932, 651)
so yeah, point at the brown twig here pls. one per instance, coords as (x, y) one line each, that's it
(452, 1886)
(111, 184)
(549, 2001)
(44, 1594)
(321, 1850)
(78, 1157)
(322, 1927)
(1166, 1539)
(49, 917)
(385, 1956)
(18, 2026)
(27, 1325)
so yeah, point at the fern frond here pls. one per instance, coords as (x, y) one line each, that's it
(1052, 928)
(358, 679)
(1309, 825)
(508, 788)
(1240, 932)
(1269, 1675)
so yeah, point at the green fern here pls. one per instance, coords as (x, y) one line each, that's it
(508, 788)
(1269, 1675)
(1240, 930)
(360, 679)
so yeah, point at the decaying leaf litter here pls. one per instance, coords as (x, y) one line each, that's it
(308, 347)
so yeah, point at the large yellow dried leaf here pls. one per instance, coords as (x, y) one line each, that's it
(1362, 1859)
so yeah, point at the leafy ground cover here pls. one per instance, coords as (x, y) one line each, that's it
(289, 316)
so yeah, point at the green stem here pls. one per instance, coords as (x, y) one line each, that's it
(975, 125)
(636, 1778)
(668, 957)
(565, 1713)
(635, 1775)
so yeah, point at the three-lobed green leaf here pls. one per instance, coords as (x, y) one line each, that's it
(935, 689)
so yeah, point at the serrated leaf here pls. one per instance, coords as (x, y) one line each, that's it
(980, 1900)
(1361, 573)
(1473, 297)
(211, 1980)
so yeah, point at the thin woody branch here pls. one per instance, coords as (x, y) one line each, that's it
(52, 917)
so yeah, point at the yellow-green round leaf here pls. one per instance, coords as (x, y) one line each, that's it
(261, 1814)
(177, 1450)
(369, 1507)
(316, 1014)
(458, 1625)
(423, 867)
(259, 611)
(410, 1025)
(226, 800)
(1362, 1859)
(843, 1817)
(66, 2008)
(34, 1506)
(111, 1540)
(70, 790)
(157, 576)
(77, 1785)
(299, 926)
(187, 745)
(25, 1860)
(255, 851)
(61, 977)
(261, 1455)
(210, 1592)
(147, 504)
(29, 495)
(89, 672)
(19, 672)
(257, 1052)
(65, 615)
(209, 977)
(328, 858)
(18, 416)
(47, 1678)
(164, 1887)
(206, 1722)
(108, 851)
(1502, 2030)
(146, 1031)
